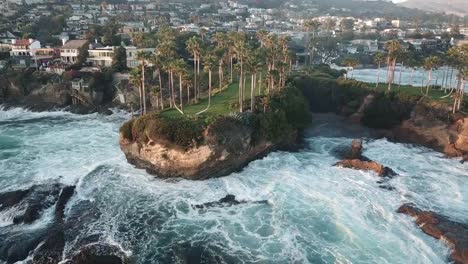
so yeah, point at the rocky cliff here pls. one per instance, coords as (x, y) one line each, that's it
(399, 116)
(224, 147)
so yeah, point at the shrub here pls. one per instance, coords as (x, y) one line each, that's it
(126, 130)
(389, 110)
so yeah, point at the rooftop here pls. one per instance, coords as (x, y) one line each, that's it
(74, 44)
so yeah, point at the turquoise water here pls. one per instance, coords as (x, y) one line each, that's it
(316, 213)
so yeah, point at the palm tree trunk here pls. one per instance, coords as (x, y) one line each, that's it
(143, 85)
(161, 89)
(181, 99)
(412, 76)
(260, 83)
(429, 82)
(399, 78)
(252, 93)
(195, 71)
(378, 77)
(231, 67)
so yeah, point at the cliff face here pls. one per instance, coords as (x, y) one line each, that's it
(430, 125)
(220, 153)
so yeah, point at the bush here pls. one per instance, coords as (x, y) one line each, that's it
(182, 131)
(389, 110)
(273, 125)
(126, 130)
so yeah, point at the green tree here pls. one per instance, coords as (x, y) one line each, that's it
(119, 60)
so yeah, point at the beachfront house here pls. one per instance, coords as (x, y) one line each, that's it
(72, 49)
(22, 51)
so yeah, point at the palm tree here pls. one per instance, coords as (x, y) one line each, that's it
(156, 61)
(220, 53)
(379, 58)
(135, 79)
(312, 26)
(209, 63)
(351, 63)
(143, 57)
(178, 68)
(241, 52)
(393, 48)
(194, 47)
(430, 63)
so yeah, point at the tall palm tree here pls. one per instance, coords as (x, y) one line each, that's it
(194, 47)
(156, 61)
(393, 48)
(351, 63)
(135, 79)
(379, 58)
(430, 63)
(178, 68)
(240, 48)
(312, 26)
(143, 57)
(209, 63)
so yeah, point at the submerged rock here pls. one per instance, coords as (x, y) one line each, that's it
(227, 200)
(99, 254)
(441, 227)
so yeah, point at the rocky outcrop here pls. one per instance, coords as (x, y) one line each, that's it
(442, 228)
(29, 205)
(228, 200)
(355, 160)
(219, 154)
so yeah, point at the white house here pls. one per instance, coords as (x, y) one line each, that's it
(22, 51)
(101, 56)
(70, 51)
(131, 52)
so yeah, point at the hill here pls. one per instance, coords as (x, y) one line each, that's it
(458, 7)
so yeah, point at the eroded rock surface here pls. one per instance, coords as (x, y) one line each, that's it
(441, 227)
(355, 160)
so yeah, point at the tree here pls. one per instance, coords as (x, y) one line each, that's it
(135, 80)
(194, 47)
(143, 57)
(82, 54)
(312, 26)
(240, 48)
(393, 47)
(351, 63)
(179, 67)
(379, 58)
(209, 62)
(119, 60)
(459, 60)
(430, 63)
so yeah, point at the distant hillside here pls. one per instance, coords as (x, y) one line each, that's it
(459, 7)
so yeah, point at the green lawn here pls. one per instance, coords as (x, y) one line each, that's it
(435, 94)
(221, 102)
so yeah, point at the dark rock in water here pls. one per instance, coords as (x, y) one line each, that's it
(39, 198)
(88, 109)
(50, 252)
(16, 246)
(356, 160)
(367, 166)
(65, 195)
(99, 254)
(387, 187)
(9, 199)
(465, 158)
(227, 200)
(441, 227)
